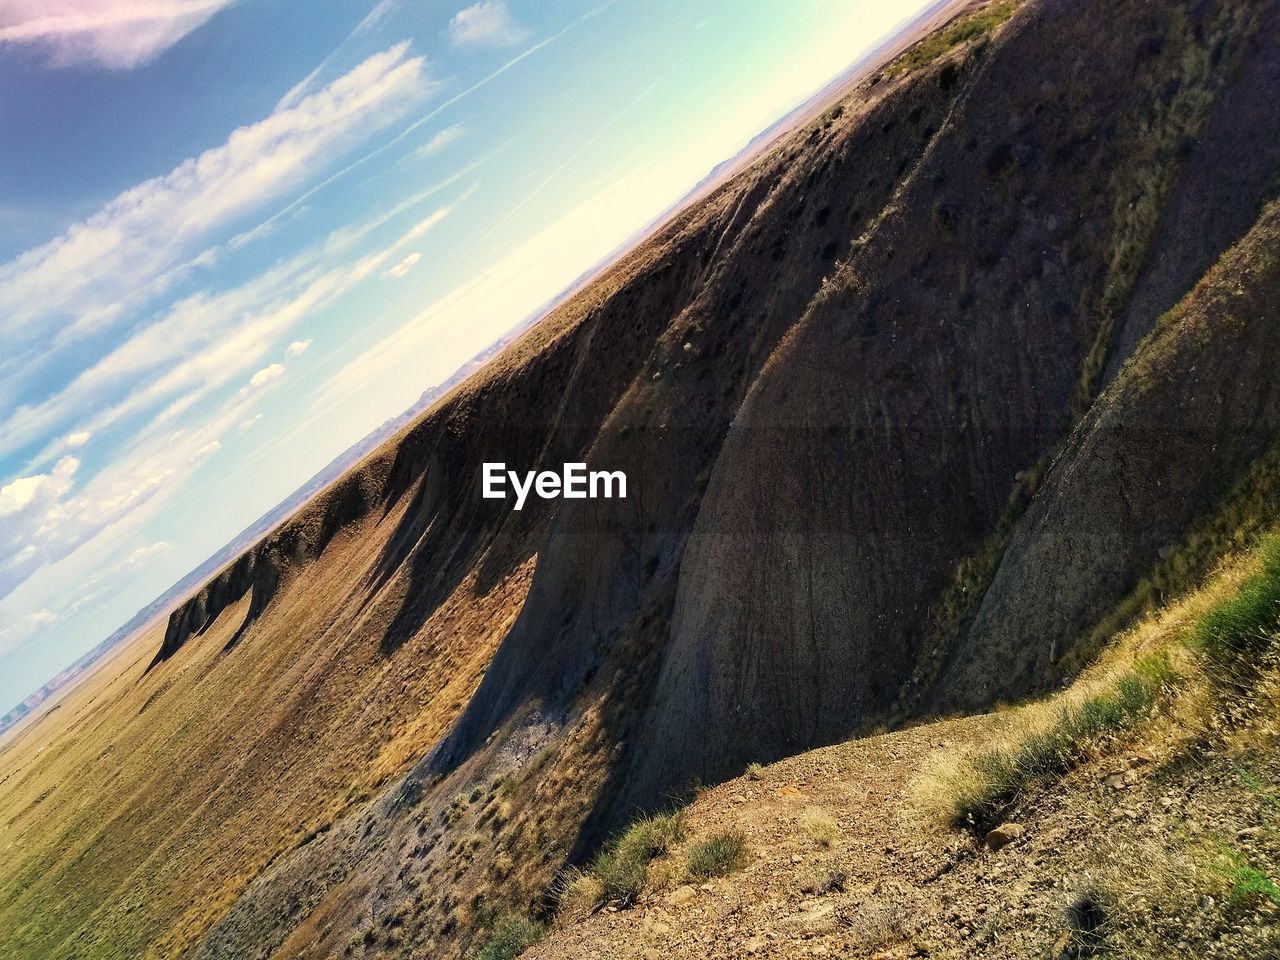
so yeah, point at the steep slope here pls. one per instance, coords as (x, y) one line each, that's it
(855, 393)
(1187, 432)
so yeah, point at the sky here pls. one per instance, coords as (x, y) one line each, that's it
(238, 235)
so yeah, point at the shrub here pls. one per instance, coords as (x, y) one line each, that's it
(621, 866)
(754, 771)
(511, 936)
(722, 853)
(579, 892)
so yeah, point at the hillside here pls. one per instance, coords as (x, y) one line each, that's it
(919, 411)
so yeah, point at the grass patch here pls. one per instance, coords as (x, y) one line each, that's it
(617, 874)
(511, 936)
(820, 826)
(1239, 630)
(977, 790)
(716, 856)
(1248, 884)
(966, 28)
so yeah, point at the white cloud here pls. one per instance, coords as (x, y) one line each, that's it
(439, 142)
(206, 339)
(246, 425)
(123, 254)
(487, 23)
(78, 439)
(297, 348)
(29, 493)
(142, 554)
(52, 525)
(266, 375)
(401, 269)
(117, 34)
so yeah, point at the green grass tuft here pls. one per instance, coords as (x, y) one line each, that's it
(716, 856)
(511, 936)
(1237, 630)
(621, 866)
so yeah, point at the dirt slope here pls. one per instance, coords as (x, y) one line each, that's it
(838, 864)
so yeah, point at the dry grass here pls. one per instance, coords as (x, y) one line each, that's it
(820, 826)
(1166, 674)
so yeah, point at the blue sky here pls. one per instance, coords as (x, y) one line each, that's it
(237, 235)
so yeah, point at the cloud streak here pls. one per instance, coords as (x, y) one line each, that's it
(91, 274)
(116, 34)
(204, 340)
(439, 142)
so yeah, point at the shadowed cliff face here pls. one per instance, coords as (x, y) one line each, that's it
(857, 393)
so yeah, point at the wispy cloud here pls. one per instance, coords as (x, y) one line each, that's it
(117, 34)
(401, 269)
(439, 142)
(119, 256)
(375, 17)
(205, 340)
(297, 348)
(487, 23)
(142, 554)
(50, 517)
(16, 634)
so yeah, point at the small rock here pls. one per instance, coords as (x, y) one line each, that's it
(1249, 834)
(681, 894)
(1004, 835)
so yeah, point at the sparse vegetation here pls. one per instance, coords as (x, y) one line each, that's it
(1246, 883)
(976, 790)
(617, 875)
(971, 26)
(1238, 634)
(716, 856)
(511, 936)
(755, 771)
(820, 826)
